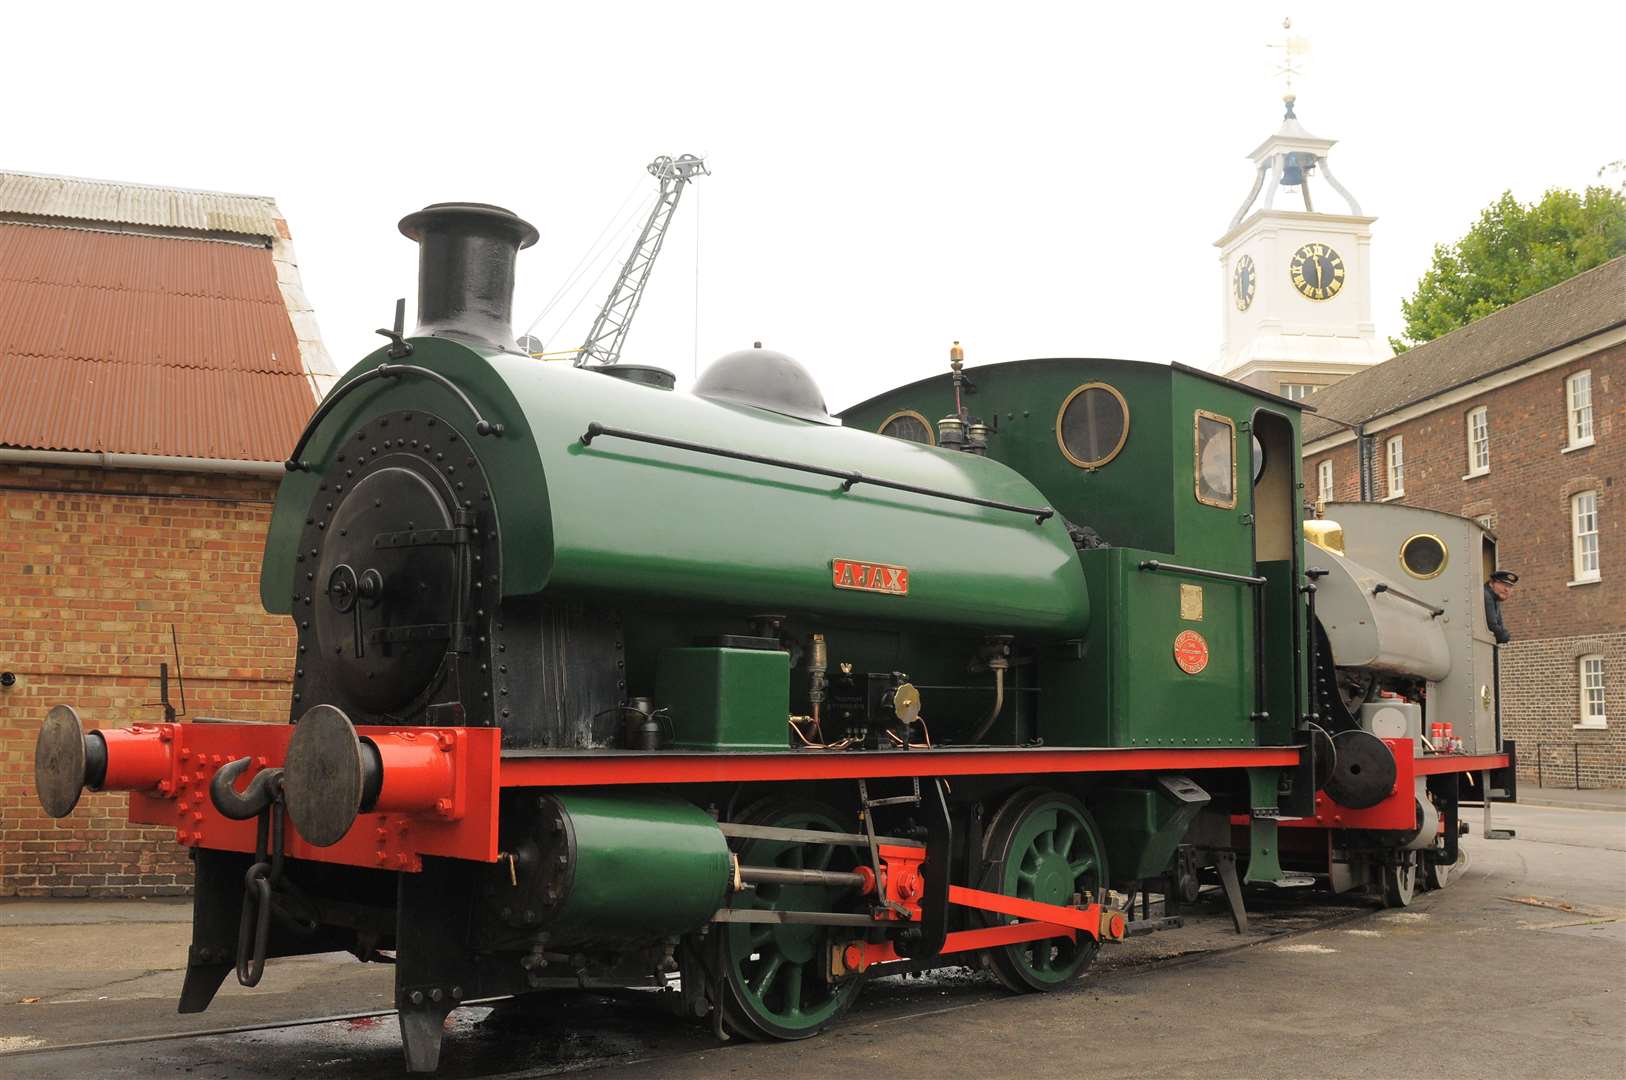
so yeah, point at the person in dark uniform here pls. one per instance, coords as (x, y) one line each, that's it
(1497, 589)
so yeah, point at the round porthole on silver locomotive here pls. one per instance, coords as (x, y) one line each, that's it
(910, 426)
(1092, 426)
(1424, 556)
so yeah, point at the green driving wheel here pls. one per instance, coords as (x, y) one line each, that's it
(1044, 846)
(772, 975)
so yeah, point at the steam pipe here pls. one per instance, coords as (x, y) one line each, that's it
(999, 703)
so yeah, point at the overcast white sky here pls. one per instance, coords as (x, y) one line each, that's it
(1033, 179)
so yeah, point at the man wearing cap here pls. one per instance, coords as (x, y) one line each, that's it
(1497, 589)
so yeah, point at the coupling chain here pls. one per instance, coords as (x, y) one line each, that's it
(254, 929)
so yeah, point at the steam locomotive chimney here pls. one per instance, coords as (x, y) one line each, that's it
(466, 255)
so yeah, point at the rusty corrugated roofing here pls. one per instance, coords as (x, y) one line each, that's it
(139, 204)
(136, 344)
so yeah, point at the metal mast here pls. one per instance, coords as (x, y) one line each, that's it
(604, 340)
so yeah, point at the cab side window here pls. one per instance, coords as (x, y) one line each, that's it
(1215, 460)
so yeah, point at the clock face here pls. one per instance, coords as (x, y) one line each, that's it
(1243, 281)
(1318, 272)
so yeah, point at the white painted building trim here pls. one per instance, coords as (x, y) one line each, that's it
(1517, 372)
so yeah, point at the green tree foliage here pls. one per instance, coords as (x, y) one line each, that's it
(1512, 251)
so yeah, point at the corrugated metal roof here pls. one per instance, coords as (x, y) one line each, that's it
(1585, 304)
(139, 204)
(53, 403)
(125, 343)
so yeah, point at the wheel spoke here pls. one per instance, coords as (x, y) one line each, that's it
(1082, 866)
(793, 989)
(821, 860)
(764, 979)
(1065, 837)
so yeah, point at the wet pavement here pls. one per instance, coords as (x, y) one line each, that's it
(1517, 969)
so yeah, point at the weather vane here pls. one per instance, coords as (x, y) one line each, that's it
(1294, 49)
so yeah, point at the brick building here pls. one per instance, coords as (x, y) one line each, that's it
(157, 360)
(1518, 420)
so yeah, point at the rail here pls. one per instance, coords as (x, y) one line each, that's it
(1260, 713)
(1156, 566)
(482, 426)
(1384, 587)
(1565, 760)
(849, 478)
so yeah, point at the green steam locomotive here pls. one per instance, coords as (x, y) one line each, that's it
(603, 684)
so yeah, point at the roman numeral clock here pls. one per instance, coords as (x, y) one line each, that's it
(1317, 271)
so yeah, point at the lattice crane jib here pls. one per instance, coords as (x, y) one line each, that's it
(609, 332)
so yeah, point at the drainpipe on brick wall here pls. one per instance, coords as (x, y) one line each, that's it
(1364, 457)
(1364, 450)
(98, 460)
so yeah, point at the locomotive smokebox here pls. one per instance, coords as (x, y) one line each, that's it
(466, 255)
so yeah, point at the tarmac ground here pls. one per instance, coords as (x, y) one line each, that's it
(1517, 969)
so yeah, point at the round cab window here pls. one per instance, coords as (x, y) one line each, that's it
(1423, 556)
(1092, 425)
(909, 426)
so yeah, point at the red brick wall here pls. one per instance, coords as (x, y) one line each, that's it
(1528, 491)
(94, 567)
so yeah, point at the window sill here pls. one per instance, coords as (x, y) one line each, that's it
(1476, 475)
(1572, 447)
(1596, 725)
(1392, 498)
(1584, 581)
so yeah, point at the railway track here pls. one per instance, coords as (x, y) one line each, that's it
(587, 1031)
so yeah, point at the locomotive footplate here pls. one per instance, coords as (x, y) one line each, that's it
(435, 790)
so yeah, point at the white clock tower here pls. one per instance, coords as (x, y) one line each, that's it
(1297, 283)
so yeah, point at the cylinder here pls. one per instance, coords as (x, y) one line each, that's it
(624, 869)
(466, 255)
